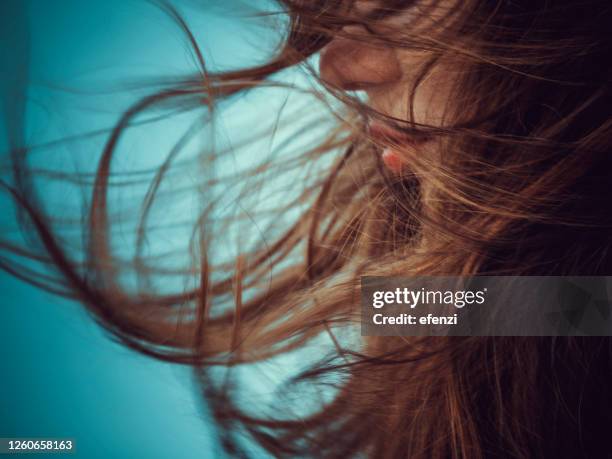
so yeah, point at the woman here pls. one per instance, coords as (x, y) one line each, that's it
(481, 147)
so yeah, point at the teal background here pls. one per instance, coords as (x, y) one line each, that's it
(61, 375)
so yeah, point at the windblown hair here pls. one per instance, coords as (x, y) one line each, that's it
(522, 188)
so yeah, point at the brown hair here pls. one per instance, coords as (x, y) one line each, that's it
(522, 190)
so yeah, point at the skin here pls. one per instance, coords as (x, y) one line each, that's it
(356, 60)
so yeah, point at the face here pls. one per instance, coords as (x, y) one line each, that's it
(359, 59)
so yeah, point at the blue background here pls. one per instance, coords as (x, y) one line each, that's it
(61, 375)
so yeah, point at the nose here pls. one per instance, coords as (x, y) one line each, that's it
(351, 64)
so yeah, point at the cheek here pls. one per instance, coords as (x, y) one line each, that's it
(428, 105)
(431, 101)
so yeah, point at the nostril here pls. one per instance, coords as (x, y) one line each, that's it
(350, 64)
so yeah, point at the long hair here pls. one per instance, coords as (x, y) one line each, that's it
(521, 188)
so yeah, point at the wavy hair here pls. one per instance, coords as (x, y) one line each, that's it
(522, 188)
